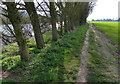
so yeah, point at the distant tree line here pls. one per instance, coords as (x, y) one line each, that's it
(106, 19)
(68, 15)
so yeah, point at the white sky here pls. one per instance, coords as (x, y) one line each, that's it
(105, 9)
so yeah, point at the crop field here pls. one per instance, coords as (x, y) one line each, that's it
(108, 28)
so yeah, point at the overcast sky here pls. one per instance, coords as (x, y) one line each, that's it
(105, 9)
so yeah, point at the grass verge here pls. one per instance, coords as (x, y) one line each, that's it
(58, 61)
(98, 63)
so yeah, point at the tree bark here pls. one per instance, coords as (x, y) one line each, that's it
(61, 25)
(53, 22)
(15, 19)
(35, 23)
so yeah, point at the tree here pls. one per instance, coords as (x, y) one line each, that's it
(53, 22)
(35, 23)
(15, 19)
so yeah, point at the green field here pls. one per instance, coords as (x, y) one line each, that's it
(108, 28)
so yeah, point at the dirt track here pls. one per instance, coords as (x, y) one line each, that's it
(82, 74)
(106, 52)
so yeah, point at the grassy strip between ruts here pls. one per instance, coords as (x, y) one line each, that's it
(58, 61)
(98, 63)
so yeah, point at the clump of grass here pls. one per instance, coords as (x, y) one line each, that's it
(95, 63)
(10, 50)
(10, 62)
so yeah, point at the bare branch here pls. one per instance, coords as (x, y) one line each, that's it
(42, 8)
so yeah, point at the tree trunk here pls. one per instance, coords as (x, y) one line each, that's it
(35, 23)
(65, 26)
(15, 19)
(61, 28)
(53, 22)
